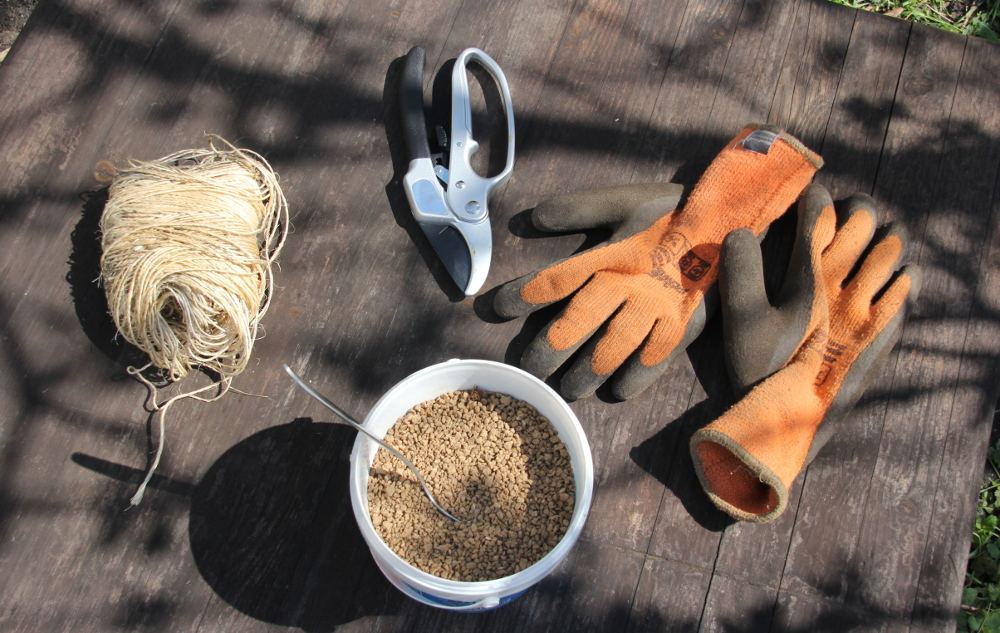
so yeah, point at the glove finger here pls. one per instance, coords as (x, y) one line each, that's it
(556, 282)
(581, 381)
(851, 240)
(748, 330)
(633, 208)
(741, 278)
(540, 359)
(587, 310)
(616, 343)
(508, 302)
(666, 336)
(561, 338)
(879, 264)
(765, 345)
(634, 377)
(626, 333)
(562, 279)
(898, 297)
(816, 228)
(851, 205)
(902, 293)
(916, 276)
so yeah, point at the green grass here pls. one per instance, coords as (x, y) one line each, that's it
(981, 598)
(980, 18)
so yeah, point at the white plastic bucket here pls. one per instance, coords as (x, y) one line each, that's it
(427, 384)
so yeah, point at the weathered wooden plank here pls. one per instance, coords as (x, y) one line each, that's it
(834, 488)
(863, 105)
(968, 188)
(812, 71)
(737, 79)
(804, 96)
(734, 605)
(666, 597)
(341, 194)
(620, 514)
(573, 114)
(595, 113)
(840, 568)
(43, 491)
(753, 67)
(687, 526)
(892, 536)
(362, 302)
(143, 597)
(805, 613)
(680, 142)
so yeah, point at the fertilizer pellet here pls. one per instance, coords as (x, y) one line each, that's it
(492, 461)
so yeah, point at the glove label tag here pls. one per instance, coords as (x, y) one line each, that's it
(760, 141)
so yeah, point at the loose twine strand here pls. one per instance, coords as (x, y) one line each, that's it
(189, 242)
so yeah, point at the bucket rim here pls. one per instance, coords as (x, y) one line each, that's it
(505, 585)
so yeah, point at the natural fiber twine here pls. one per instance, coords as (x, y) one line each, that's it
(189, 241)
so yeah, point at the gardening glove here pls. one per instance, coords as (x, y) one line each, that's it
(760, 338)
(747, 459)
(650, 279)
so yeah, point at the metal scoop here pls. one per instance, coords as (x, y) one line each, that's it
(347, 418)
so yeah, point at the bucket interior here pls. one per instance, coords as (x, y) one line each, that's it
(426, 385)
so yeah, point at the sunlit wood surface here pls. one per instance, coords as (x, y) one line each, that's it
(248, 524)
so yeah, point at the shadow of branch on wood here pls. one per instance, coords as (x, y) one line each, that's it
(311, 117)
(270, 529)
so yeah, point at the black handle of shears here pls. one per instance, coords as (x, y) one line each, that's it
(411, 104)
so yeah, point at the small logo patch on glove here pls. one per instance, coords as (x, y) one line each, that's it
(760, 141)
(693, 267)
(677, 253)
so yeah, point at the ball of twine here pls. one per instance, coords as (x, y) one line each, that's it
(189, 242)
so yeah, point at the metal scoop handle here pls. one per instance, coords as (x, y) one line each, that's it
(350, 420)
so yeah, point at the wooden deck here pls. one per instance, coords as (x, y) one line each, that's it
(248, 526)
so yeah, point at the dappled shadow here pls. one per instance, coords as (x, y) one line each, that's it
(273, 533)
(665, 455)
(600, 94)
(115, 520)
(271, 530)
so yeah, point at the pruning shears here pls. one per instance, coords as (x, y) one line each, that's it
(447, 197)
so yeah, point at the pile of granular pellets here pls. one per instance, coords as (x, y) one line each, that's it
(493, 462)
